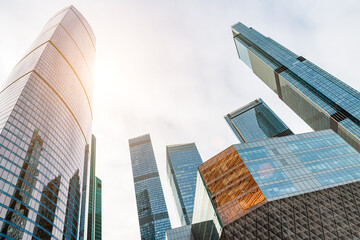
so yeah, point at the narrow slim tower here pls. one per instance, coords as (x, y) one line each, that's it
(320, 99)
(151, 206)
(98, 210)
(182, 163)
(92, 192)
(45, 129)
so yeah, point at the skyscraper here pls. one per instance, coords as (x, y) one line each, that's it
(45, 128)
(98, 210)
(152, 212)
(94, 202)
(92, 192)
(320, 99)
(180, 233)
(203, 230)
(85, 196)
(256, 121)
(182, 162)
(300, 186)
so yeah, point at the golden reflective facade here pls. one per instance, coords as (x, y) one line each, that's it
(45, 130)
(233, 190)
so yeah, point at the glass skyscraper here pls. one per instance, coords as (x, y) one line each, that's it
(92, 191)
(94, 202)
(304, 186)
(256, 121)
(98, 210)
(203, 230)
(45, 128)
(152, 212)
(182, 162)
(320, 99)
(180, 233)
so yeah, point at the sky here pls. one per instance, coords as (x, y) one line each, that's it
(170, 68)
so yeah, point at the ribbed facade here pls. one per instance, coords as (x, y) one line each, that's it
(152, 212)
(320, 99)
(45, 127)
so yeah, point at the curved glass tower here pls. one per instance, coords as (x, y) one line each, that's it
(45, 129)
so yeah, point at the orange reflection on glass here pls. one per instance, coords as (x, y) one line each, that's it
(233, 190)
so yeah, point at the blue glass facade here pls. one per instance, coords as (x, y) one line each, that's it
(292, 165)
(180, 233)
(256, 121)
(320, 99)
(45, 131)
(98, 210)
(151, 206)
(256, 175)
(182, 163)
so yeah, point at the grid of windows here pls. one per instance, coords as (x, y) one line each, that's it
(151, 206)
(319, 98)
(296, 164)
(256, 121)
(248, 176)
(94, 203)
(182, 163)
(45, 126)
(180, 233)
(230, 186)
(98, 210)
(331, 213)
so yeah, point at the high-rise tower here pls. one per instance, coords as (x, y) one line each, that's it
(91, 192)
(256, 121)
(45, 129)
(151, 206)
(319, 98)
(182, 162)
(98, 210)
(94, 201)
